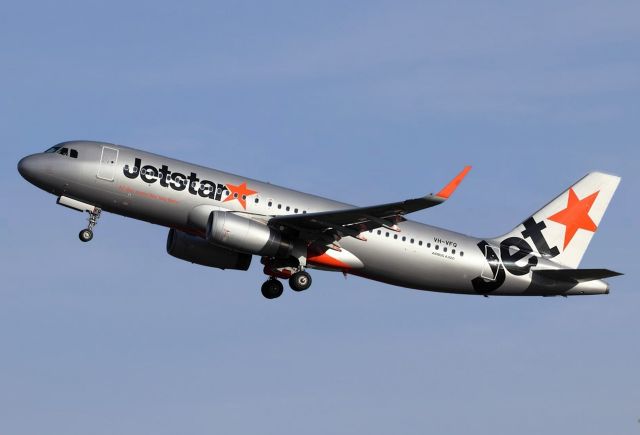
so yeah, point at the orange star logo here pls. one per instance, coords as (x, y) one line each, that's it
(239, 192)
(576, 216)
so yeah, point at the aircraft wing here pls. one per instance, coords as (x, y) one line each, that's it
(353, 221)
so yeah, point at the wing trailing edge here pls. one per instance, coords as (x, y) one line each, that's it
(353, 221)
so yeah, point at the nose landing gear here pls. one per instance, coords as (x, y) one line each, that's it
(87, 234)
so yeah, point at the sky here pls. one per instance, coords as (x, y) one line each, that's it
(365, 102)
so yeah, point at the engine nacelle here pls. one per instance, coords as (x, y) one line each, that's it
(196, 250)
(237, 233)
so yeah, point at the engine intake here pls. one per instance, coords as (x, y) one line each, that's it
(237, 233)
(196, 250)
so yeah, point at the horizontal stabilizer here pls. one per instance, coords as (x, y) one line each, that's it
(577, 275)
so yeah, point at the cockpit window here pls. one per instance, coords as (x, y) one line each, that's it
(63, 151)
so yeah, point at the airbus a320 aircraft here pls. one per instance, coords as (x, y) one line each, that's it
(222, 220)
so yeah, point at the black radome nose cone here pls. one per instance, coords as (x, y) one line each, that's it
(23, 167)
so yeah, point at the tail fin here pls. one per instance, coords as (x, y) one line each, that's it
(562, 229)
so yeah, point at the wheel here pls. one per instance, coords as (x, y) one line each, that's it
(272, 288)
(300, 281)
(86, 235)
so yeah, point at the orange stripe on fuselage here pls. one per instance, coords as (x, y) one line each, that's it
(328, 261)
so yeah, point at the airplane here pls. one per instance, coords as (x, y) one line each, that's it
(222, 220)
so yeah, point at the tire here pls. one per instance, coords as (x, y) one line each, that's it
(86, 235)
(300, 281)
(272, 289)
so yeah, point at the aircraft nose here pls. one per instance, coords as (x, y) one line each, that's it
(32, 167)
(25, 167)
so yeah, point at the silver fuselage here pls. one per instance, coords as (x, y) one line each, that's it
(419, 256)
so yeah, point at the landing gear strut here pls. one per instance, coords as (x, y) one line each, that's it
(87, 234)
(300, 281)
(290, 269)
(272, 288)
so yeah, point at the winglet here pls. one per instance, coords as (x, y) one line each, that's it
(453, 185)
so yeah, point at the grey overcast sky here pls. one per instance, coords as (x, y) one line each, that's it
(362, 101)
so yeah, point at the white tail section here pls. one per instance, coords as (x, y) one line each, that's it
(562, 229)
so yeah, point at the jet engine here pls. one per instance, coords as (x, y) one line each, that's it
(196, 250)
(237, 233)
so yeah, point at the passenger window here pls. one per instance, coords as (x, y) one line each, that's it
(395, 236)
(256, 200)
(420, 243)
(444, 249)
(295, 210)
(379, 232)
(453, 251)
(411, 240)
(288, 208)
(279, 206)
(270, 204)
(461, 254)
(64, 151)
(387, 235)
(404, 239)
(73, 154)
(437, 247)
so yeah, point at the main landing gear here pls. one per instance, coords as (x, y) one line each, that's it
(299, 281)
(272, 288)
(87, 234)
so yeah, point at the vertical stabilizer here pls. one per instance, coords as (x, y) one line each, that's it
(563, 228)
